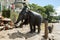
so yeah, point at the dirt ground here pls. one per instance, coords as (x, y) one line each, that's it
(23, 33)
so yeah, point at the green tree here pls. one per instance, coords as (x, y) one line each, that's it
(49, 11)
(38, 9)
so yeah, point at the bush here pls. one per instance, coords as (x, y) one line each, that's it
(6, 13)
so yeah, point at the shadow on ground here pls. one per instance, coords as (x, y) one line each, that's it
(21, 35)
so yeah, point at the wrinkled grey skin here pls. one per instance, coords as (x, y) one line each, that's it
(35, 19)
(32, 18)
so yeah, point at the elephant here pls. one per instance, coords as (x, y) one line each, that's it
(30, 17)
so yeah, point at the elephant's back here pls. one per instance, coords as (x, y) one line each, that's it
(35, 13)
(37, 17)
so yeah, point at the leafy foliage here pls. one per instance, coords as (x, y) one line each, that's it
(49, 11)
(6, 13)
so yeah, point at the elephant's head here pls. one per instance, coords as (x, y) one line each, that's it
(23, 15)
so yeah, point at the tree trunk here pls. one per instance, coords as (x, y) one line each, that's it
(46, 29)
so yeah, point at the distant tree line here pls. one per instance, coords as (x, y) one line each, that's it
(57, 17)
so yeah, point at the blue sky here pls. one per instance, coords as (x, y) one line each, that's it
(55, 3)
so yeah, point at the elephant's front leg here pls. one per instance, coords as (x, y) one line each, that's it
(34, 28)
(31, 28)
(39, 29)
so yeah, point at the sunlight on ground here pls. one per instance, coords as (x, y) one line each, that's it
(43, 25)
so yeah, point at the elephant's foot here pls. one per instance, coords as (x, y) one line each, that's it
(38, 32)
(16, 26)
(34, 31)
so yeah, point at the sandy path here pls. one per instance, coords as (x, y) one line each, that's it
(22, 34)
(19, 34)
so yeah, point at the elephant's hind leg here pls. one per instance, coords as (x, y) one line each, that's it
(34, 28)
(38, 29)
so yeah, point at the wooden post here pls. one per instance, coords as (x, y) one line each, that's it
(46, 29)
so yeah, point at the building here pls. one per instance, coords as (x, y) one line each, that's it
(17, 3)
